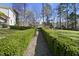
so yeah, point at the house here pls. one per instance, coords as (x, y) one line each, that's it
(10, 15)
(3, 19)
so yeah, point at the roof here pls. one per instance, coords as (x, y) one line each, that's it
(3, 16)
(1, 13)
(8, 9)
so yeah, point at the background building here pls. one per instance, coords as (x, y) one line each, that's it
(10, 14)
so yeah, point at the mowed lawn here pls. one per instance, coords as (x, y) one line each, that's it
(62, 42)
(15, 42)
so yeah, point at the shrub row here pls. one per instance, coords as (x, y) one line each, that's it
(20, 27)
(61, 45)
(16, 42)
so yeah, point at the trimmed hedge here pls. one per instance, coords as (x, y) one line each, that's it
(60, 45)
(19, 27)
(16, 42)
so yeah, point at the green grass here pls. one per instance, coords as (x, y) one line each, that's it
(62, 42)
(15, 42)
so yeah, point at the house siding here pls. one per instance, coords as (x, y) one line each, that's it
(12, 19)
(10, 14)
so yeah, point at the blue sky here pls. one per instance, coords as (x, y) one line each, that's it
(33, 6)
(36, 7)
(6, 4)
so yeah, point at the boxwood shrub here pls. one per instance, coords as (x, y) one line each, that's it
(60, 45)
(20, 27)
(15, 43)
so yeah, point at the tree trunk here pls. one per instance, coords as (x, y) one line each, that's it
(75, 15)
(67, 16)
(43, 11)
(47, 20)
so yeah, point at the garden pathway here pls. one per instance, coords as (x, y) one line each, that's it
(38, 46)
